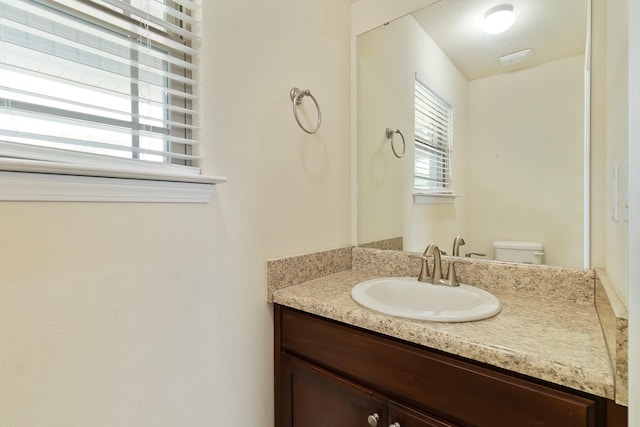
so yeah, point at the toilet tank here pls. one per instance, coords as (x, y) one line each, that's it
(515, 251)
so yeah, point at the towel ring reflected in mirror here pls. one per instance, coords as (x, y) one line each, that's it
(390, 132)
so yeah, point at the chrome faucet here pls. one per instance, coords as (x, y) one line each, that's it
(425, 276)
(436, 277)
(457, 242)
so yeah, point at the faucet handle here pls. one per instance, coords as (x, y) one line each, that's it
(452, 277)
(424, 270)
(469, 254)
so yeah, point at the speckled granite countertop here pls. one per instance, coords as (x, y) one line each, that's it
(547, 338)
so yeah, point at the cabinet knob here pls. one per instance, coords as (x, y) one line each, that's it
(373, 419)
(396, 424)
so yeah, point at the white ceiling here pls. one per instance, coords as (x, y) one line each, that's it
(554, 29)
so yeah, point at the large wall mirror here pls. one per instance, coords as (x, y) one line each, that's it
(518, 157)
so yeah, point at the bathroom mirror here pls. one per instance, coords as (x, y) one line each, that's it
(518, 128)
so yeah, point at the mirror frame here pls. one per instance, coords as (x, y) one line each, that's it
(367, 15)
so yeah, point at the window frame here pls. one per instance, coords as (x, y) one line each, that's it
(101, 179)
(444, 194)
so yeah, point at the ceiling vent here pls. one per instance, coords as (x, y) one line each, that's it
(514, 58)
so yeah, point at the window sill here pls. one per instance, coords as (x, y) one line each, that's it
(434, 198)
(43, 181)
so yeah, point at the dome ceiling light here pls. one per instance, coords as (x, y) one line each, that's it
(498, 19)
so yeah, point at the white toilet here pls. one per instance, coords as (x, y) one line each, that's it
(515, 251)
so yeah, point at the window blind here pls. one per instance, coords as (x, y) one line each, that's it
(100, 82)
(433, 124)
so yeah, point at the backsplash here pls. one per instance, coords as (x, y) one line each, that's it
(289, 271)
(572, 284)
(575, 285)
(393, 244)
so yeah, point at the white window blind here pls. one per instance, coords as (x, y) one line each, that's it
(433, 129)
(104, 83)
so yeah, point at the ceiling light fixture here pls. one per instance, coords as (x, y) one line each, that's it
(498, 19)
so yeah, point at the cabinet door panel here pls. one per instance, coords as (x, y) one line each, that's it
(407, 417)
(313, 397)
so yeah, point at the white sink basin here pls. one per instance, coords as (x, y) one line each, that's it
(409, 298)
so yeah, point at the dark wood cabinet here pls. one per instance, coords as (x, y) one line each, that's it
(314, 397)
(330, 374)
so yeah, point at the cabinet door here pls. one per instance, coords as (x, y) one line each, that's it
(402, 416)
(313, 397)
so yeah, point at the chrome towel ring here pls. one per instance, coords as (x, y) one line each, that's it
(390, 132)
(296, 99)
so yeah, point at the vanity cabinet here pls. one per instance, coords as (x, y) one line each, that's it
(329, 374)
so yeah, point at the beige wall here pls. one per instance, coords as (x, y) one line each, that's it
(525, 169)
(110, 316)
(386, 87)
(382, 102)
(610, 140)
(616, 121)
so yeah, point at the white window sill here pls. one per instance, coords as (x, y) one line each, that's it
(42, 181)
(433, 198)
